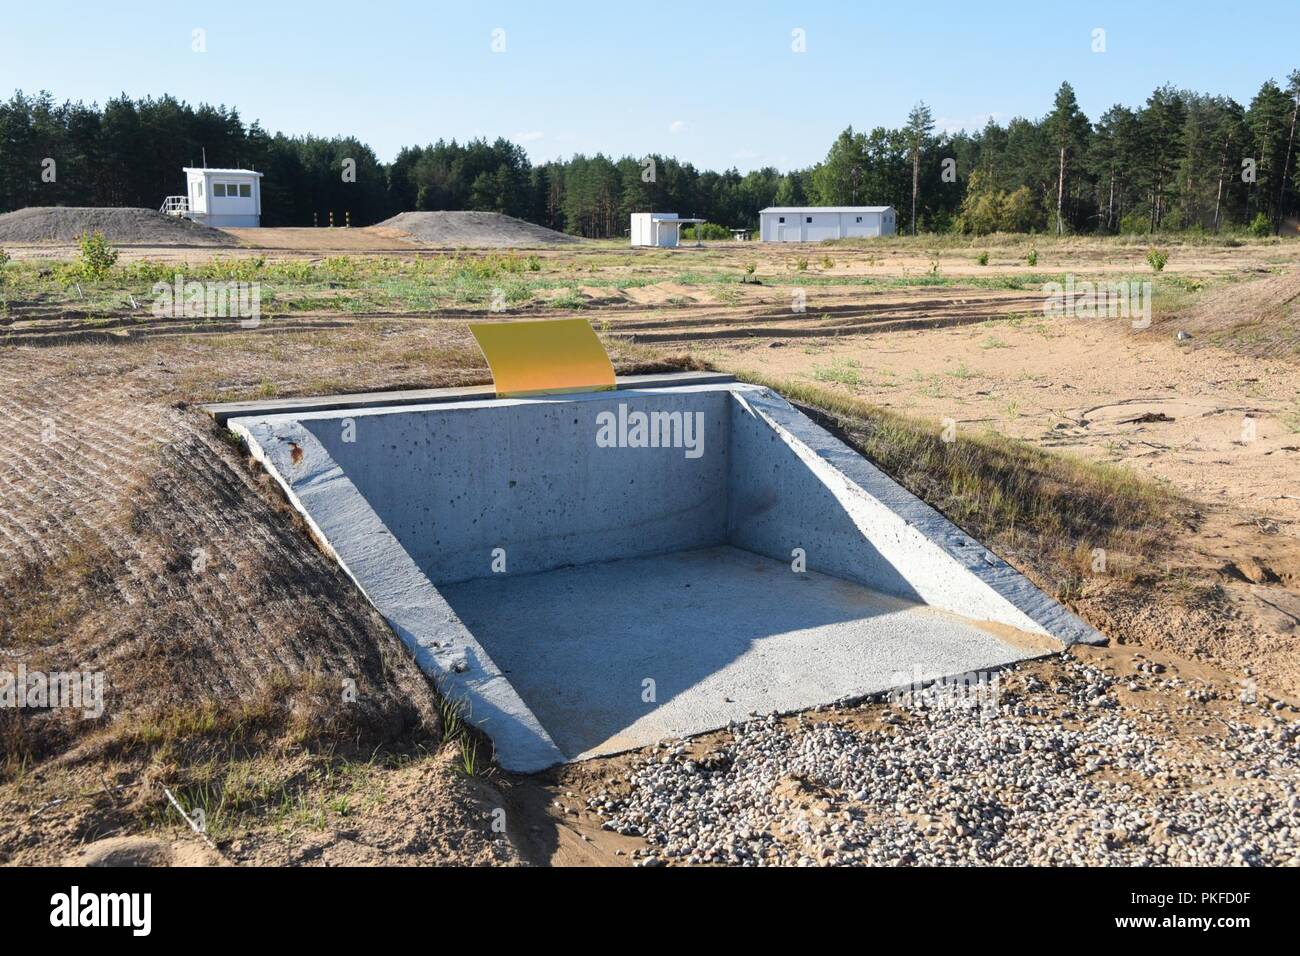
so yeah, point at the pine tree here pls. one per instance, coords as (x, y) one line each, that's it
(920, 124)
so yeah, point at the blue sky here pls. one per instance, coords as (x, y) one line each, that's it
(711, 82)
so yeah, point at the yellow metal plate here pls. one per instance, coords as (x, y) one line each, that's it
(544, 358)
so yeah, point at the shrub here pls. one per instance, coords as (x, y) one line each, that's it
(1260, 227)
(4, 258)
(708, 230)
(97, 256)
(1033, 257)
(1157, 258)
(983, 258)
(801, 265)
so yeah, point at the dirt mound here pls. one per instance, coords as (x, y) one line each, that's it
(490, 230)
(125, 226)
(1257, 317)
(142, 851)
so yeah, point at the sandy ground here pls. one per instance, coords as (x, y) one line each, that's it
(316, 241)
(1218, 426)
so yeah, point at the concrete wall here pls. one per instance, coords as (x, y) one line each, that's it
(777, 504)
(422, 494)
(452, 484)
(796, 486)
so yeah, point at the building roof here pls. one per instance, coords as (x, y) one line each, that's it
(220, 172)
(826, 209)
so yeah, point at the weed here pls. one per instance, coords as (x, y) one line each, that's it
(97, 257)
(841, 372)
(469, 760)
(570, 298)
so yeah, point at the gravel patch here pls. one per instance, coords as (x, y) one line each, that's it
(1059, 775)
(474, 230)
(127, 225)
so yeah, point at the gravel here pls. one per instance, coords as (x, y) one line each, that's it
(474, 230)
(125, 226)
(1059, 775)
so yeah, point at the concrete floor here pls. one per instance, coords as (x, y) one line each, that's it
(720, 631)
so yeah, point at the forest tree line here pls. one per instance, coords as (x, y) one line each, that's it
(1181, 160)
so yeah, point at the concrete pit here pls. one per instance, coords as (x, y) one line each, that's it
(594, 572)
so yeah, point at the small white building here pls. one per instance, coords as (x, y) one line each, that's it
(663, 229)
(815, 223)
(219, 197)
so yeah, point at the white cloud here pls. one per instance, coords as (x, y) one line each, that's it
(530, 136)
(745, 154)
(676, 126)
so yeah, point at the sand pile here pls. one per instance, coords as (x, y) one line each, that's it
(473, 229)
(1257, 316)
(121, 226)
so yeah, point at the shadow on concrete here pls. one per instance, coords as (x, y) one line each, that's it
(777, 503)
(719, 632)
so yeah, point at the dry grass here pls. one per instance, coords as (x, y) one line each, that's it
(39, 602)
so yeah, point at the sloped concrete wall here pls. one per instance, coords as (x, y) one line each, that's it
(796, 486)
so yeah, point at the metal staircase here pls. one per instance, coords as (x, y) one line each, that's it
(175, 206)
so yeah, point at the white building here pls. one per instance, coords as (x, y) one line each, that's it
(663, 229)
(815, 223)
(219, 197)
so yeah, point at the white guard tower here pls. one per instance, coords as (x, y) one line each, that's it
(223, 198)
